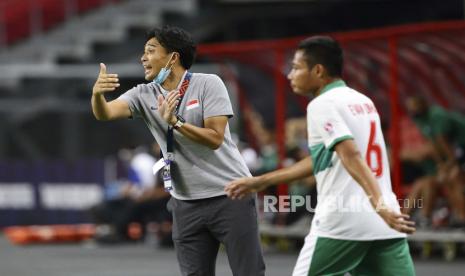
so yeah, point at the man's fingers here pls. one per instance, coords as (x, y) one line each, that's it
(406, 229)
(235, 191)
(173, 94)
(410, 223)
(108, 85)
(404, 216)
(105, 82)
(403, 225)
(160, 100)
(229, 187)
(172, 101)
(401, 216)
(103, 68)
(240, 192)
(171, 107)
(107, 89)
(237, 195)
(108, 79)
(240, 188)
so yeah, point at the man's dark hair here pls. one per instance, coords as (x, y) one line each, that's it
(323, 50)
(175, 39)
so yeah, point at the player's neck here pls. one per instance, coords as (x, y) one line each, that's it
(325, 82)
(174, 78)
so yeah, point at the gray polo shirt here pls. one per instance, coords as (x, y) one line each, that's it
(198, 171)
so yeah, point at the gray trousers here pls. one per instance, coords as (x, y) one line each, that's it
(199, 226)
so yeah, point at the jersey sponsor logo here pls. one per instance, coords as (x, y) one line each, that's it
(192, 104)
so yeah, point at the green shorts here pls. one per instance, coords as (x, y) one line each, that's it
(325, 256)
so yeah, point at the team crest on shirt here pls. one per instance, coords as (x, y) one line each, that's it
(192, 104)
(329, 128)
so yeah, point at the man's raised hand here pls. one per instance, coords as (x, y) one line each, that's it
(167, 106)
(105, 82)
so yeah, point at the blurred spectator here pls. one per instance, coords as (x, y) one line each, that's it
(268, 156)
(141, 199)
(296, 134)
(248, 153)
(305, 188)
(420, 173)
(446, 131)
(296, 150)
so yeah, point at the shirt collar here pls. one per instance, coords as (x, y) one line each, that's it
(165, 92)
(332, 85)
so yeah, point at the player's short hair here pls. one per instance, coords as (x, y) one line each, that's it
(175, 39)
(323, 50)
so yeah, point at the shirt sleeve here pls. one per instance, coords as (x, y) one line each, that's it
(328, 123)
(216, 100)
(132, 98)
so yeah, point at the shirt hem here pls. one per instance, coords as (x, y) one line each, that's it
(381, 237)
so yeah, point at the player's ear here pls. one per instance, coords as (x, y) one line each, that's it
(320, 70)
(176, 58)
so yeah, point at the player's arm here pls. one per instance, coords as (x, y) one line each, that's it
(446, 150)
(102, 109)
(243, 186)
(357, 167)
(211, 135)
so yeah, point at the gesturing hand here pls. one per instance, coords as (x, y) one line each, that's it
(105, 82)
(167, 107)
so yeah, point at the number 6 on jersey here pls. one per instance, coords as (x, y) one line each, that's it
(374, 151)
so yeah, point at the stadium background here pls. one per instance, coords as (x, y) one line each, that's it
(55, 157)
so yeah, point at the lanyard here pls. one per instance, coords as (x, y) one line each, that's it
(170, 137)
(182, 91)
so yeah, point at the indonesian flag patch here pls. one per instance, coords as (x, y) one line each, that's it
(329, 127)
(192, 104)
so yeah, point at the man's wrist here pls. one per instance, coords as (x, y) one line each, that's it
(176, 122)
(173, 121)
(260, 181)
(179, 122)
(381, 207)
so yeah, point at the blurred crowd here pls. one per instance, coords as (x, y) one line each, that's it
(433, 159)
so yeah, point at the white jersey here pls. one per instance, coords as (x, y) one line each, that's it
(343, 210)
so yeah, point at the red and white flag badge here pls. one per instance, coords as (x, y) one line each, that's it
(329, 127)
(192, 104)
